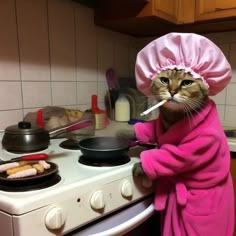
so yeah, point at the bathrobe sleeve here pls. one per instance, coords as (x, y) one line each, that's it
(193, 153)
(145, 132)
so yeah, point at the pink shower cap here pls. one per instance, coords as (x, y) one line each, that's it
(190, 52)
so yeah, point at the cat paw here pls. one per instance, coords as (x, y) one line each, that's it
(138, 170)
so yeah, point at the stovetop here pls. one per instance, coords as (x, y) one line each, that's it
(76, 179)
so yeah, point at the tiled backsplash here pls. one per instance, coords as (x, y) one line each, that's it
(51, 53)
(226, 100)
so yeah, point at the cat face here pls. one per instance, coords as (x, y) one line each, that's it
(183, 92)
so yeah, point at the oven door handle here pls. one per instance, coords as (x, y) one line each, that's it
(128, 225)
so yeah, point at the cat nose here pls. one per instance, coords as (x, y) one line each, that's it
(172, 92)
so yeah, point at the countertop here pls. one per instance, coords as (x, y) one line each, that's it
(231, 141)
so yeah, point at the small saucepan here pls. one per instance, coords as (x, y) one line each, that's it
(107, 148)
(25, 137)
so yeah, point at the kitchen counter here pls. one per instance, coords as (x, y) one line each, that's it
(113, 128)
(232, 144)
(231, 141)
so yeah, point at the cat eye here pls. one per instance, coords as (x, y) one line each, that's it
(164, 80)
(186, 82)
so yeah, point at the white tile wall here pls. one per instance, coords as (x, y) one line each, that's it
(226, 99)
(62, 42)
(63, 93)
(32, 25)
(36, 94)
(10, 95)
(51, 53)
(9, 53)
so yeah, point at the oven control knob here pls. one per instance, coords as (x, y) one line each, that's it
(146, 182)
(126, 189)
(97, 201)
(55, 218)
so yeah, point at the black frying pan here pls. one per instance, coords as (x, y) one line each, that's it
(106, 148)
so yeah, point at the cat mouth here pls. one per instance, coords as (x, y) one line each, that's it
(172, 104)
(171, 101)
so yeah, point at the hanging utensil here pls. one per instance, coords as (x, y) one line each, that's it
(113, 87)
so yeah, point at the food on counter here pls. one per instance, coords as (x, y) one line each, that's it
(39, 168)
(23, 173)
(7, 166)
(17, 169)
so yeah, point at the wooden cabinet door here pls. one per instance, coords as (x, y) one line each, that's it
(214, 9)
(167, 9)
(175, 11)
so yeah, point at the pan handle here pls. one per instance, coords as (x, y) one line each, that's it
(72, 127)
(136, 142)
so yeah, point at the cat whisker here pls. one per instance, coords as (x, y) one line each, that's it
(194, 105)
(188, 113)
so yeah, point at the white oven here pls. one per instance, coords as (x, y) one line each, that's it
(85, 200)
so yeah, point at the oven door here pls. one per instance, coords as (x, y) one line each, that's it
(134, 220)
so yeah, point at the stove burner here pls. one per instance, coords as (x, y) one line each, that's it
(103, 163)
(30, 185)
(24, 152)
(70, 144)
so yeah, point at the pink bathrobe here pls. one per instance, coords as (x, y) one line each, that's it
(194, 190)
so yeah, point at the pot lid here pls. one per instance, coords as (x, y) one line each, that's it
(24, 127)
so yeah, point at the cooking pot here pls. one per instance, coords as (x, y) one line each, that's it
(25, 137)
(109, 149)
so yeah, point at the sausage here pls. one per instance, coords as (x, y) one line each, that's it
(23, 173)
(45, 164)
(17, 169)
(7, 166)
(39, 168)
(10, 165)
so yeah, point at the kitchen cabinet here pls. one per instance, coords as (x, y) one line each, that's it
(142, 18)
(169, 10)
(215, 9)
(233, 173)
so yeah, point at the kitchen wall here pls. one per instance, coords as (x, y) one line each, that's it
(51, 53)
(226, 100)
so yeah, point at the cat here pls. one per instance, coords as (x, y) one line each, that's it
(185, 95)
(190, 167)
